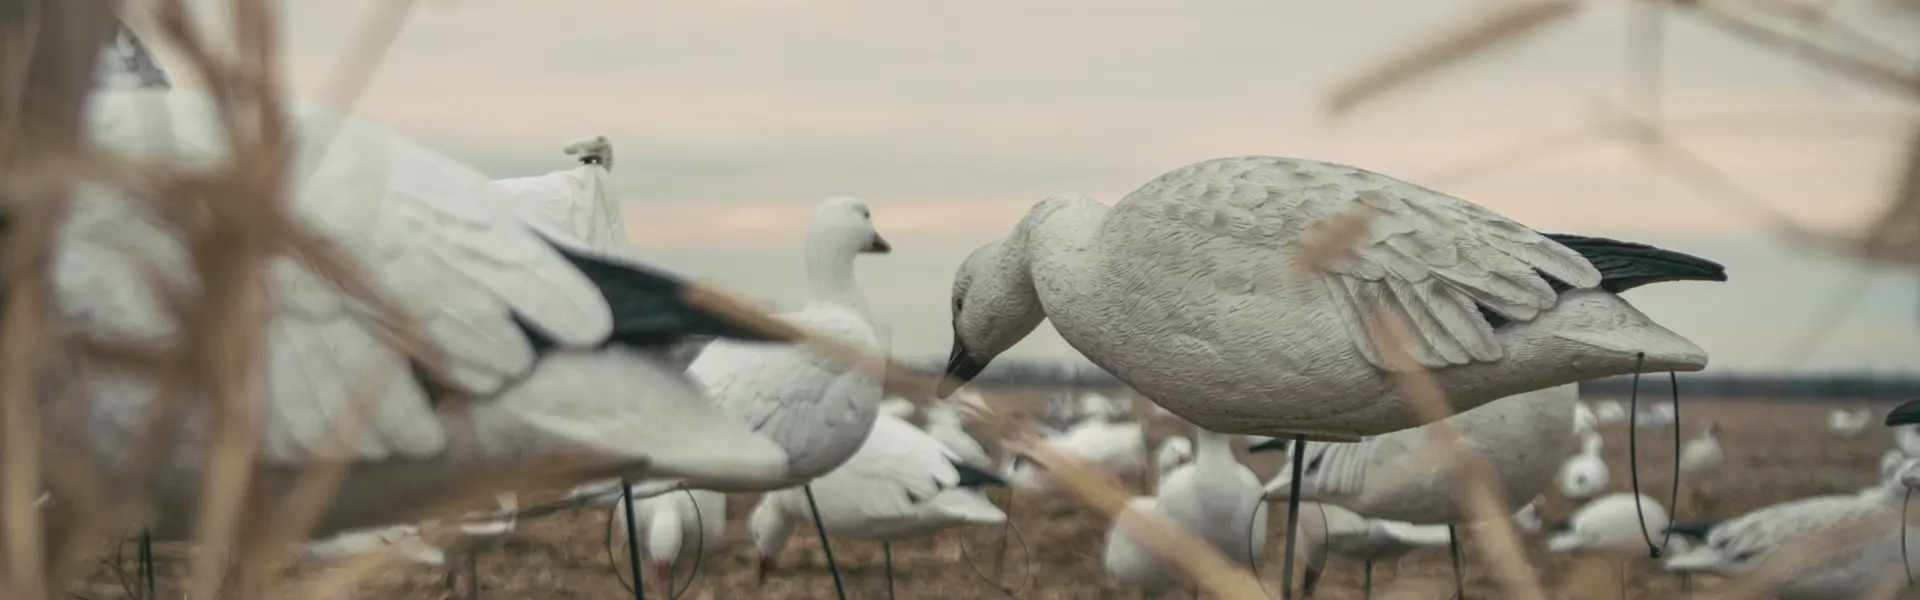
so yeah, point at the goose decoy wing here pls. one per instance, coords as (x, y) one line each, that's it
(488, 291)
(1443, 266)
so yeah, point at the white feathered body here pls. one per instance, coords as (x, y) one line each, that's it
(436, 241)
(901, 484)
(1117, 449)
(1191, 290)
(1850, 570)
(817, 409)
(1395, 476)
(690, 522)
(1611, 524)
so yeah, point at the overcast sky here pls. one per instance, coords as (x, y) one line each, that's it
(731, 120)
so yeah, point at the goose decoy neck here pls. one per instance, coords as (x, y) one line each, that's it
(1905, 414)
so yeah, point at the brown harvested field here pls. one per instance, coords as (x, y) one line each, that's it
(1775, 450)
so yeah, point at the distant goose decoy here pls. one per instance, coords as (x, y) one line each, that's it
(946, 424)
(1173, 452)
(1848, 423)
(1584, 420)
(1326, 530)
(677, 529)
(1585, 474)
(1702, 454)
(898, 408)
(1608, 412)
(902, 483)
(1117, 449)
(538, 347)
(1611, 524)
(1184, 291)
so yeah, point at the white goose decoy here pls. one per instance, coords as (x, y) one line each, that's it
(681, 528)
(1327, 529)
(1851, 570)
(527, 359)
(1702, 454)
(1174, 451)
(901, 483)
(1098, 407)
(1848, 423)
(1611, 524)
(1117, 449)
(1585, 474)
(1214, 497)
(1609, 412)
(1522, 438)
(946, 423)
(1658, 416)
(1584, 421)
(820, 412)
(898, 408)
(1186, 291)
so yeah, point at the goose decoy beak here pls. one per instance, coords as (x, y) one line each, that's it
(1905, 414)
(961, 368)
(973, 477)
(879, 245)
(1272, 445)
(1696, 531)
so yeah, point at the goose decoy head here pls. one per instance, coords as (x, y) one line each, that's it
(994, 307)
(1905, 414)
(973, 477)
(1272, 445)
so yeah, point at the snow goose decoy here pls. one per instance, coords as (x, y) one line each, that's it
(1658, 416)
(946, 423)
(902, 483)
(1327, 529)
(1865, 529)
(1585, 474)
(818, 411)
(1702, 453)
(1523, 440)
(1174, 451)
(1848, 423)
(898, 408)
(1608, 412)
(1584, 421)
(538, 349)
(1214, 497)
(680, 528)
(1611, 524)
(1117, 449)
(1183, 291)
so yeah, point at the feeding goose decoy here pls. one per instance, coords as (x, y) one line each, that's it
(1611, 524)
(1185, 290)
(678, 529)
(537, 349)
(1866, 550)
(1522, 439)
(902, 483)
(1327, 530)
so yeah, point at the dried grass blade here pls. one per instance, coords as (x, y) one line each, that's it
(1506, 25)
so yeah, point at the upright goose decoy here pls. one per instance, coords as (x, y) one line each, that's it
(1214, 497)
(1584, 420)
(900, 484)
(1702, 453)
(1187, 291)
(537, 349)
(1584, 475)
(819, 411)
(1173, 452)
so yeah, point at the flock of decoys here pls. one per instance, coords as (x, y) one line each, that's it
(550, 338)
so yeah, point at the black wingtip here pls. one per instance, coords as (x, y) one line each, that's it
(1696, 530)
(1627, 265)
(974, 477)
(1905, 414)
(1272, 445)
(649, 306)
